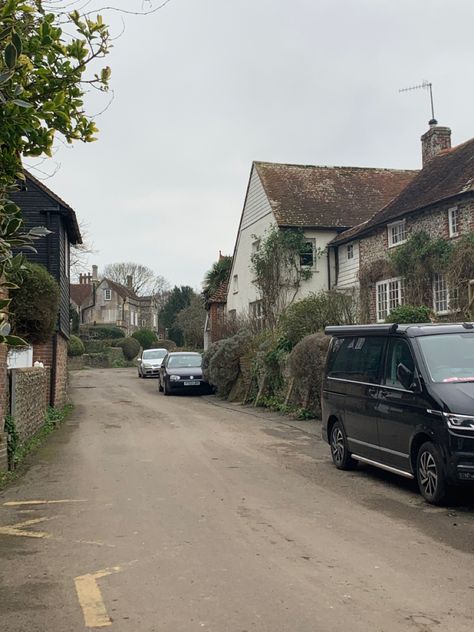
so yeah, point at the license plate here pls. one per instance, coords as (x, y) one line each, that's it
(193, 383)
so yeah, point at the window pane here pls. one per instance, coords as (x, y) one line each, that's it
(398, 354)
(307, 254)
(357, 359)
(382, 311)
(440, 293)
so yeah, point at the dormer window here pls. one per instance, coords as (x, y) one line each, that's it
(107, 294)
(453, 219)
(397, 233)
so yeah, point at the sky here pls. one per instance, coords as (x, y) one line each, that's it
(201, 88)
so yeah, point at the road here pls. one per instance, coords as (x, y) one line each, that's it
(174, 514)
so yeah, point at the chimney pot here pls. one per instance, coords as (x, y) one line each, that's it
(130, 282)
(95, 270)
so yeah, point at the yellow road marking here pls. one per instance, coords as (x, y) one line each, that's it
(18, 529)
(19, 503)
(90, 598)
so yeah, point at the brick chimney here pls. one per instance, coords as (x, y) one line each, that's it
(129, 281)
(435, 140)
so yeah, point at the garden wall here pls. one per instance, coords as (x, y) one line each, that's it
(29, 399)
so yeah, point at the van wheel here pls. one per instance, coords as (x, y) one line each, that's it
(431, 476)
(341, 456)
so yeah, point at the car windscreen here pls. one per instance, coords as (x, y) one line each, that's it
(153, 354)
(185, 362)
(449, 357)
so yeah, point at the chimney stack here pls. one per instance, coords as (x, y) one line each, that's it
(94, 273)
(129, 281)
(434, 141)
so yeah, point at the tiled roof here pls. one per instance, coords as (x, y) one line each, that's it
(71, 219)
(220, 295)
(447, 175)
(328, 197)
(80, 292)
(121, 290)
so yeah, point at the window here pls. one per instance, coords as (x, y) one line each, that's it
(356, 359)
(155, 320)
(255, 246)
(235, 283)
(307, 253)
(397, 233)
(444, 299)
(389, 294)
(256, 310)
(350, 251)
(398, 354)
(107, 294)
(453, 218)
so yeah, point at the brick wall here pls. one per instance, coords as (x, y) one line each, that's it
(29, 399)
(435, 222)
(3, 452)
(46, 353)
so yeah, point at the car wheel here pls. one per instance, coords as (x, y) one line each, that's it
(431, 475)
(341, 456)
(165, 389)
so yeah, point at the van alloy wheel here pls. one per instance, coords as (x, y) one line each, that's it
(339, 449)
(431, 475)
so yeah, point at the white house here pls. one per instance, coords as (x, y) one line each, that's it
(322, 201)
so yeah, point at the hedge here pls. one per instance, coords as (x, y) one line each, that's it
(129, 346)
(145, 337)
(75, 347)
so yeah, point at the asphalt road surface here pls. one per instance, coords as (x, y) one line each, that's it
(146, 513)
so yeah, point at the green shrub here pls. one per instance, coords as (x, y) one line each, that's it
(34, 305)
(315, 312)
(306, 365)
(98, 346)
(101, 332)
(130, 347)
(146, 337)
(407, 314)
(221, 364)
(75, 346)
(169, 345)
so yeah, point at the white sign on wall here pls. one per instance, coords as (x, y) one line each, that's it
(20, 358)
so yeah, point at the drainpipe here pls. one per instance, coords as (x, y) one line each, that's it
(52, 381)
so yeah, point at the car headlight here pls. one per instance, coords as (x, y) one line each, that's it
(459, 422)
(174, 378)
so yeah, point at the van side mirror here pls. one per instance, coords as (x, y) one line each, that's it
(405, 377)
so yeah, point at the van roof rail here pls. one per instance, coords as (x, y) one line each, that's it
(341, 330)
(468, 325)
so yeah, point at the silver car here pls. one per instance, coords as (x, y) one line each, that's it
(150, 361)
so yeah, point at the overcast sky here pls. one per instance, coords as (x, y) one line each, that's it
(203, 87)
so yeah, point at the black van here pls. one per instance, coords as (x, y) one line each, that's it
(401, 397)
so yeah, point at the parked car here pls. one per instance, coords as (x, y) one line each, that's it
(401, 397)
(150, 361)
(180, 372)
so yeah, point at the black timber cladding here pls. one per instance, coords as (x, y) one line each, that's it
(40, 209)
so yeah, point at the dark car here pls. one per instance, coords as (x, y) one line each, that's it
(180, 372)
(401, 397)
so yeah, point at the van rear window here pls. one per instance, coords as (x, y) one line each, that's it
(356, 358)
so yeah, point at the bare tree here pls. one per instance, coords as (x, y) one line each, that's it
(144, 281)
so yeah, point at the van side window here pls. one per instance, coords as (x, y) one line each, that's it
(398, 354)
(357, 359)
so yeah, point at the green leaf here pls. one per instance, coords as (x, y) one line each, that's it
(6, 76)
(11, 56)
(22, 104)
(9, 8)
(5, 33)
(15, 341)
(16, 41)
(4, 303)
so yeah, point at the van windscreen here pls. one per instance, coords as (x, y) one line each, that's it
(449, 357)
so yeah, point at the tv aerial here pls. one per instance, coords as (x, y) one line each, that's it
(426, 85)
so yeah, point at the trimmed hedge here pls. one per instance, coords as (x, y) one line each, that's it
(169, 345)
(130, 347)
(407, 314)
(145, 337)
(34, 305)
(306, 366)
(75, 346)
(221, 362)
(101, 332)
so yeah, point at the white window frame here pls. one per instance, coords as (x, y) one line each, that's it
(440, 286)
(395, 229)
(350, 251)
(389, 294)
(312, 241)
(453, 221)
(107, 294)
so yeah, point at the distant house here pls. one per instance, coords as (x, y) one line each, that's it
(321, 201)
(105, 302)
(40, 206)
(439, 201)
(215, 318)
